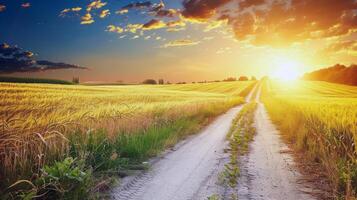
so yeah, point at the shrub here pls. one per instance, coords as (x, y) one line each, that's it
(243, 78)
(63, 180)
(150, 81)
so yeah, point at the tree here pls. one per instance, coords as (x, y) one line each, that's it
(75, 80)
(150, 82)
(243, 78)
(253, 78)
(230, 79)
(161, 81)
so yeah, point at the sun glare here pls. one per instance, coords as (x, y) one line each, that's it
(286, 69)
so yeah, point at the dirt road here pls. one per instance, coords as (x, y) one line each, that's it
(181, 173)
(267, 171)
(191, 170)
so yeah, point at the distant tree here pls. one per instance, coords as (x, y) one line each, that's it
(230, 79)
(75, 80)
(193, 82)
(243, 78)
(181, 82)
(161, 81)
(168, 82)
(150, 82)
(253, 78)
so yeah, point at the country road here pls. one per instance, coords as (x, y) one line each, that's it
(268, 171)
(191, 170)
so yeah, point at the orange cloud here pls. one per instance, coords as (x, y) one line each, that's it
(122, 11)
(67, 10)
(95, 5)
(87, 19)
(154, 24)
(176, 23)
(276, 22)
(179, 43)
(133, 28)
(349, 46)
(115, 29)
(201, 10)
(104, 13)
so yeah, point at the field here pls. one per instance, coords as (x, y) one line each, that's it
(96, 128)
(320, 119)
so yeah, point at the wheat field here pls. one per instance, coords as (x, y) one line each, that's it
(38, 121)
(320, 118)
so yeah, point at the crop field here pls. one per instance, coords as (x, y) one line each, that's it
(320, 119)
(104, 127)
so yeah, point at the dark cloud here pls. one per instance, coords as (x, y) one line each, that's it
(158, 7)
(138, 5)
(14, 59)
(154, 24)
(201, 9)
(277, 22)
(159, 11)
(166, 13)
(2, 7)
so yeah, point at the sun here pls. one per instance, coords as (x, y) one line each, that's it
(286, 69)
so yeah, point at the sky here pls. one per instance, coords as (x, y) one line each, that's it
(177, 40)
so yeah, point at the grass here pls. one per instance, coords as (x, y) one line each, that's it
(241, 133)
(105, 129)
(319, 118)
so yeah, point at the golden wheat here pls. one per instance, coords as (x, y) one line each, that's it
(321, 119)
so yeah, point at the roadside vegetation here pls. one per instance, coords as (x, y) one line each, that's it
(54, 139)
(319, 119)
(241, 133)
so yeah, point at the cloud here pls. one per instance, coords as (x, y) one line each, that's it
(87, 19)
(349, 46)
(182, 42)
(158, 7)
(115, 29)
(67, 10)
(104, 13)
(250, 3)
(154, 24)
(13, 59)
(138, 5)
(133, 28)
(215, 24)
(122, 11)
(276, 22)
(167, 13)
(176, 23)
(97, 4)
(26, 5)
(201, 10)
(2, 7)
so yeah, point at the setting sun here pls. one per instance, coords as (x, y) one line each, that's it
(286, 69)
